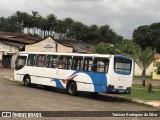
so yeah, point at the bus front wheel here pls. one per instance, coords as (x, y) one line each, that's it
(27, 81)
(72, 88)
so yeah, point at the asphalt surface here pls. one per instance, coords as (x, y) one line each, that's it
(16, 97)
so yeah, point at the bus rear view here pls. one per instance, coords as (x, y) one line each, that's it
(120, 75)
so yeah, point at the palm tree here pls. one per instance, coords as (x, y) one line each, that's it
(35, 16)
(143, 58)
(51, 22)
(68, 22)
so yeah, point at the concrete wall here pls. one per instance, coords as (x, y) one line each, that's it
(138, 71)
(14, 57)
(7, 48)
(61, 48)
(155, 75)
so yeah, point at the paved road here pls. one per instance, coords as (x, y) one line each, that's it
(16, 97)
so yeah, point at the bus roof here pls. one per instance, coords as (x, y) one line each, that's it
(70, 54)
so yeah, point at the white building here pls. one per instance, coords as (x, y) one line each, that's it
(49, 45)
(8, 54)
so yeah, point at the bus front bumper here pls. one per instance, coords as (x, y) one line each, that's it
(118, 91)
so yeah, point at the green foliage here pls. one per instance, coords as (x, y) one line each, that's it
(148, 36)
(72, 30)
(100, 49)
(125, 47)
(8, 25)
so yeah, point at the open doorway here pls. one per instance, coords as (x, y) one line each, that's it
(6, 61)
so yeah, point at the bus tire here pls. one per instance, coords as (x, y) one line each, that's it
(27, 81)
(72, 89)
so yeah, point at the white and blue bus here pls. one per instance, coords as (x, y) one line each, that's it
(76, 72)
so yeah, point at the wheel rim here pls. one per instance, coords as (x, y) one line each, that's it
(72, 88)
(26, 81)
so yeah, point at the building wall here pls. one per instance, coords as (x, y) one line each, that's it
(14, 57)
(48, 45)
(8, 50)
(62, 48)
(138, 71)
(155, 70)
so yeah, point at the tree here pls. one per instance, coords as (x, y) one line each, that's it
(94, 33)
(124, 47)
(106, 34)
(72, 30)
(51, 22)
(35, 17)
(148, 36)
(100, 49)
(9, 25)
(143, 58)
(68, 22)
(77, 29)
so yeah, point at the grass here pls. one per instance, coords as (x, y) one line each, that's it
(139, 91)
(136, 86)
(140, 78)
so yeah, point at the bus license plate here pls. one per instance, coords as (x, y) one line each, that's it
(121, 91)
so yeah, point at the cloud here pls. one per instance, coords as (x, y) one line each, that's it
(122, 15)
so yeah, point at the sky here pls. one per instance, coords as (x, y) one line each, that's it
(123, 16)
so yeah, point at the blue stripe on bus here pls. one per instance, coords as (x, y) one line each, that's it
(99, 80)
(58, 83)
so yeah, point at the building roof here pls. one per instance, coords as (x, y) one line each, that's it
(13, 44)
(58, 41)
(157, 56)
(17, 39)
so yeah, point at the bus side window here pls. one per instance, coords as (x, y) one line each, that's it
(61, 62)
(51, 61)
(31, 60)
(65, 62)
(77, 63)
(100, 65)
(41, 60)
(68, 62)
(87, 65)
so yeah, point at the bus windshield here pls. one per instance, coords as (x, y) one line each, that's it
(122, 65)
(20, 62)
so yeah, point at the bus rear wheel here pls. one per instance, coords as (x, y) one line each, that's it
(72, 89)
(27, 81)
